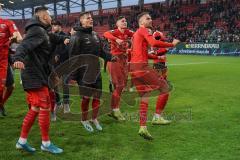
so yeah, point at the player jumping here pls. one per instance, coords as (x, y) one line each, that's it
(118, 70)
(145, 78)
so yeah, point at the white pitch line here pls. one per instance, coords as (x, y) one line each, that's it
(185, 64)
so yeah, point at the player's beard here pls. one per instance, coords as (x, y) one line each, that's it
(149, 26)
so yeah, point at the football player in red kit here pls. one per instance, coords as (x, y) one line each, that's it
(145, 78)
(33, 56)
(118, 70)
(159, 57)
(8, 31)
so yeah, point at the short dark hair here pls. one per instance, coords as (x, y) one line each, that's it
(56, 22)
(120, 17)
(141, 15)
(41, 8)
(83, 13)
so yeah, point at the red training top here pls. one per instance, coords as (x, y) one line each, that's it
(117, 34)
(141, 39)
(7, 28)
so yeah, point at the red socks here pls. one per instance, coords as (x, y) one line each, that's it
(85, 106)
(95, 107)
(161, 102)
(44, 124)
(28, 122)
(143, 113)
(43, 121)
(115, 99)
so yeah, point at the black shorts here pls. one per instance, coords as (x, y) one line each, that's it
(90, 85)
(9, 78)
(160, 66)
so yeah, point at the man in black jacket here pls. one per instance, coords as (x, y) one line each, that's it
(33, 56)
(86, 43)
(60, 56)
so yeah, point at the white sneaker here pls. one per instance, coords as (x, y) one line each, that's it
(57, 107)
(66, 108)
(97, 125)
(87, 126)
(131, 89)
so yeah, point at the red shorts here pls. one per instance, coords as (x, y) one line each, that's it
(147, 79)
(119, 71)
(3, 66)
(39, 97)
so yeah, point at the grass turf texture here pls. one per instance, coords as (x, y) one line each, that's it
(204, 106)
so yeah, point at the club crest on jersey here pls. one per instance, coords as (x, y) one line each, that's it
(2, 26)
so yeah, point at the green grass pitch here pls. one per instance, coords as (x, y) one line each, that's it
(204, 107)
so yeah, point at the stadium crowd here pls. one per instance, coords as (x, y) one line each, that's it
(215, 21)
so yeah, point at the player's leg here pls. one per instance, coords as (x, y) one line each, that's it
(143, 116)
(53, 107)
(162, 99)
(95, 110)
(66, 94)
(96, 94)
(158, 118)
(3, 74)
(57, 97)
(118, 77)
(142, 89)
(26, 127)
(28, 121)
(9, 87)
(85, 107)
(44, 121)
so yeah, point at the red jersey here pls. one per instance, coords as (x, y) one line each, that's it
(141, 40)
(117, 34)
(159, 55)
(7, 28)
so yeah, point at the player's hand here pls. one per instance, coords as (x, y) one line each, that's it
(19, 65)
(119, 41)
(161, 57)
(175, 42)
(151, 52)
(67, 41)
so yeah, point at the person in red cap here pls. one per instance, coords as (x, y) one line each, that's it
(8, 32)
(159, 58)
(119, 39)
(145, 78)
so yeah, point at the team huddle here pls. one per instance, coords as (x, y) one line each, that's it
(129, 55)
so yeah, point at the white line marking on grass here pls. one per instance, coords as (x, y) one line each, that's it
(185, 64)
